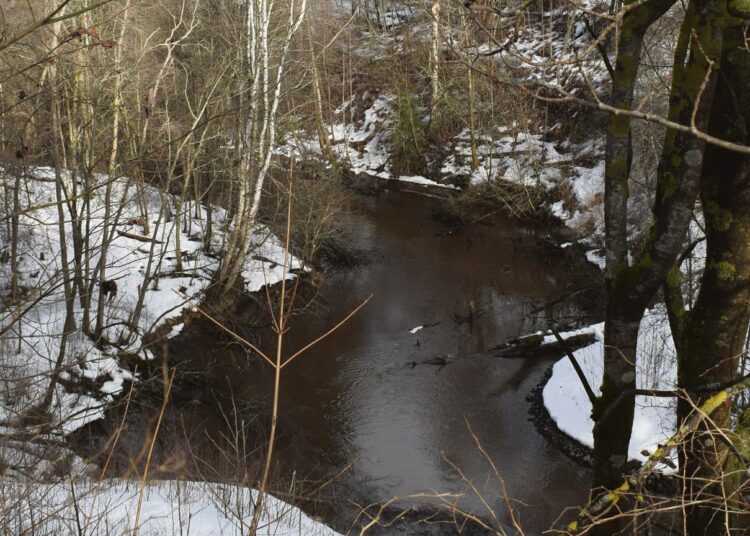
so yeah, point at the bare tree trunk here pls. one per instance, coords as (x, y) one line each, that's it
(150, 271)
(435, 60)
(14, 223)
(112, 170)
(70, 325)
(470, 80)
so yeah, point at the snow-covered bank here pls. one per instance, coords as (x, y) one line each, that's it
(364, 146)
(655, 419)
(553, 163)
(34, 325)
(512, 154)
(656, 368)
(169, 508)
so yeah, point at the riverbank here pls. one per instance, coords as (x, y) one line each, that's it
(149, 295)
(530, 174)
(145, 290)
(561, 410)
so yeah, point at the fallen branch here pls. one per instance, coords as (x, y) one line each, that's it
(439, 361)
(138, 237)
(535, 345)
(579, 371)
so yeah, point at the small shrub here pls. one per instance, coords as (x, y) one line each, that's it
(408, 136)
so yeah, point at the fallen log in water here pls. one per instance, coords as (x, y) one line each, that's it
(538, 345)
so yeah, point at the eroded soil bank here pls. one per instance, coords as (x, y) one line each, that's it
(387, 409)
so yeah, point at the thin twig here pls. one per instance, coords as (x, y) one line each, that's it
(151, 452)
(327, 333)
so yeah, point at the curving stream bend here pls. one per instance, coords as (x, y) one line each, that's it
(397, 404)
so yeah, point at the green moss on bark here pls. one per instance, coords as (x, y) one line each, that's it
(724, 270)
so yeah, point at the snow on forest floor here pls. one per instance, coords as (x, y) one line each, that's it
(656, 368)
(32, 343)
(169, 507)
(365, 147)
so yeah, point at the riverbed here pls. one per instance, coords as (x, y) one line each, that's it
(404, 400)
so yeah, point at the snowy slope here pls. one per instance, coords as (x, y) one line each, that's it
(30, 347)
(31, 344)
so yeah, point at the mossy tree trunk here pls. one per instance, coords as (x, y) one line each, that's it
(613, 414)
(632, 284)
(710, 338)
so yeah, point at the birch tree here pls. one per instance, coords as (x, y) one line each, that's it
(435, 47)
(266, 62)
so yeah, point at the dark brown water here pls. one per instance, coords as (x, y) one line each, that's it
(368, 396)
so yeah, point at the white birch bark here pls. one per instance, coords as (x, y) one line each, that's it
(266, 63)
(435, 58)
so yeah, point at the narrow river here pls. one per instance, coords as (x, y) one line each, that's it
(374, 398)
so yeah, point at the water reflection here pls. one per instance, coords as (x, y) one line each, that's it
(368, 395)
(402, 420)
